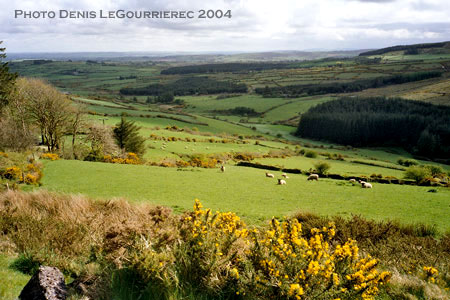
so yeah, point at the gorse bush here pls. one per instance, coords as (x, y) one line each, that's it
(129, 158)
(218, 255)
(50, 156)
(15, 169)
(292, 266)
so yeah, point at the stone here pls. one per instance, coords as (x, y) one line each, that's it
(46, 284)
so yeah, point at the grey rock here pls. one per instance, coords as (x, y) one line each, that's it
(46, 284)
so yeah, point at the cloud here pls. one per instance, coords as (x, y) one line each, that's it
(254, 26)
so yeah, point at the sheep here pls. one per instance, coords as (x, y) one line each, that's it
(313, 177)
(281, 181)
(285, 175)
(270, 175)
(366, 185)
(222, 168)
(352, 181)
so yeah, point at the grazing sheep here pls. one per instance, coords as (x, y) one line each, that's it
(222, 168)
(313, 177)
(352, 181)
(281, 181)
(270, 175)
(366, 185)
(285, 175)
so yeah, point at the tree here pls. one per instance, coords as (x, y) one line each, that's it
(102, 142)
(7, 80)
(127, 137)
(48, 108)
(76, 122)
(17, 131)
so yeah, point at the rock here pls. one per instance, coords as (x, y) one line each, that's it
(46, 284)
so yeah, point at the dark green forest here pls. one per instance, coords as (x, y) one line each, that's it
(294, 91)
(225, 67)
(188, 86)
(403, 47)
(419, 127)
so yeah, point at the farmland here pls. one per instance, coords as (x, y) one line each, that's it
(188, 133)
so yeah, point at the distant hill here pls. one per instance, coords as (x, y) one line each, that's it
(409, 49)
(204, 57)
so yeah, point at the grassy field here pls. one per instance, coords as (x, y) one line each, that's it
(12, 281)
(248, 192)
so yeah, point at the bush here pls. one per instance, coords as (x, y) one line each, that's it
(50, 156)
(407, 162)
(311, 154)
(322, 167)
(417, 173)
(435, 170)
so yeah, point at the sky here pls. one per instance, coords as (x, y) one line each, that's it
(254, 25)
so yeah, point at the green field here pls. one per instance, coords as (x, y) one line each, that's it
(12, 281)
(248, 192)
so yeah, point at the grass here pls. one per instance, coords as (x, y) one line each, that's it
(12, 282)
(247, 192)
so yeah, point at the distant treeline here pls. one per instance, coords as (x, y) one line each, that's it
(344, 87)
(417, 126)
(226, 67)
(403, 47)
(246, 67)
(188, 86)
(239, 110)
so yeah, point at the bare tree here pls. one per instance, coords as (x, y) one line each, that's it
(101, 139)
(48, 108)
(76, 123)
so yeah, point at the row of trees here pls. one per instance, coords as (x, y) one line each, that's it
(188, 86)
(344, 87)
(417, 126)
(226, 67)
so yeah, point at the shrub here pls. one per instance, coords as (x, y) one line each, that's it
(12, 173)
(50, 156)
(435, 170)
(129, 159)
(407, 162)
(417, 173)
(217, 255)
(322, 167)
(311, 154)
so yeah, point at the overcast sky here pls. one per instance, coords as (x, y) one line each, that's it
(255, 25)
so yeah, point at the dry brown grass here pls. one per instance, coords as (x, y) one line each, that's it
(68, 231)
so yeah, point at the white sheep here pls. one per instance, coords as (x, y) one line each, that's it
(352, 181)
(366, 185)
(313, 177)
(270, 175)
(281, 181)
(285, 175)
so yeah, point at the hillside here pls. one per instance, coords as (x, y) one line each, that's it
(415, 49)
